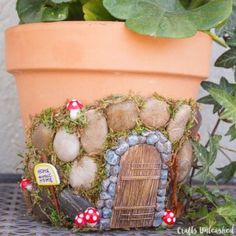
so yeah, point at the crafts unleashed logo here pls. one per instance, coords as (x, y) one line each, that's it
(206, 230)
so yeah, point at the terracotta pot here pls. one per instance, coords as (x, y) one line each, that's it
(90, 60)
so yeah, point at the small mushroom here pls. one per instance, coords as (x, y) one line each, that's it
(169, 217)
(26, 185)
(79, 220)
(92, 216)
(74, 106)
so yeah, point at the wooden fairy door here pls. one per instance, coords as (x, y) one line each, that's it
(137, 187)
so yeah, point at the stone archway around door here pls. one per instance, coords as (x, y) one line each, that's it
(114, 204)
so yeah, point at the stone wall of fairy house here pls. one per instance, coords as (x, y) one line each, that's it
(116, 156)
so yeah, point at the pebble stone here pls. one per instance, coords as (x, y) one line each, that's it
(164, 174)
(162, 184)
(152, 139)
(104, 223)
(106, 212)
(184, 161)
(112, 189)
(161, 192)
(165, 158)
(155, 113)
(105, 184)
(178, 124)
(104, 196)
(107, 169)
(94, 134)
(41, 137)
(160, 206)
(159, 214)
(157, 222)
(141, 139)
(83, 173)
(114, 171)
(132, 140)
(66, 146)
(161, 136)
(164, 147)
(100, 204)
(109, 203)
(113, 179)
(161, 199)
(112, 158)
(122, 116)
(123, 147)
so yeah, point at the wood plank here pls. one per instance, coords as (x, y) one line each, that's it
(133, 207)
(138, 187)
(123, 178)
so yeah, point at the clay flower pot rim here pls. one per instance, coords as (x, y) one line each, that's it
(114, 23)
(103, 46)
(56, 61)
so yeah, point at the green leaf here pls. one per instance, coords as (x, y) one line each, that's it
(168, 18)
(75, 11)
(30, 10)
(228, 30)
(228, 212)
(227, 172)
(206, 158)
(61, 1)
(56, 13)
(227, 59)
(95, 11)
(224, 85)
(232, 132)
(227, 101)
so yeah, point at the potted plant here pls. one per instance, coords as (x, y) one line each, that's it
(118, 159)
(102, 56)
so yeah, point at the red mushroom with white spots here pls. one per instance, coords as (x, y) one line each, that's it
(169, 217)
(26, 185)
(92, 216)
(79, 220)
(74, 106)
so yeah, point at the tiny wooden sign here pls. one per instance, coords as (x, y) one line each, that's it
(46, 174)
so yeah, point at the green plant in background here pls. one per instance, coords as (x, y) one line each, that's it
(208, 206)
(159, 18)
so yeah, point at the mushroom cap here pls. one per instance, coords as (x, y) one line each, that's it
(24, 183)
(79, 220)
(92, 215)
(74, 105)
(169, 217)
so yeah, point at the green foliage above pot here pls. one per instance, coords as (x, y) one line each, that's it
(159, 18)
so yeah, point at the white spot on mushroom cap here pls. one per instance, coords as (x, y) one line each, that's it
(80, 220)
(74, 104)
(81, 215)
(90, 211)
(168, 220)
(174, 219)
(87, 217)
(172, 214)
(95, 218)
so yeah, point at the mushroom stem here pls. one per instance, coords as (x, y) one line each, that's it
(74, 114)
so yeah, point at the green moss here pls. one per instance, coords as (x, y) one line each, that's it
(112, 138)
(140, 127)
(54, 217)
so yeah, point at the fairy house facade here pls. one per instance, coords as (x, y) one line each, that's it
(122, 156)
